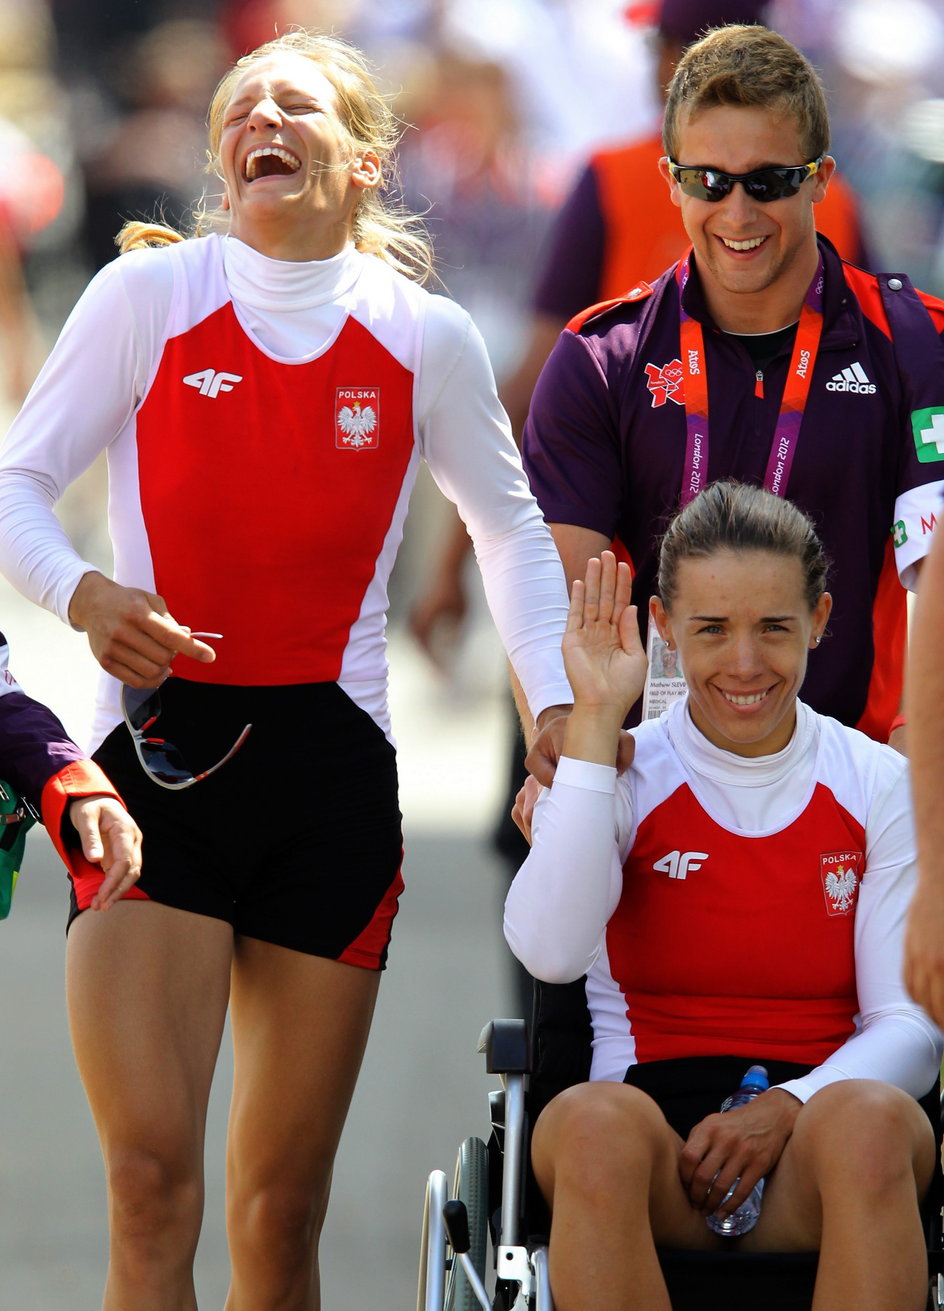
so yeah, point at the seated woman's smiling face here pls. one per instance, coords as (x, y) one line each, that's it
(743, 627)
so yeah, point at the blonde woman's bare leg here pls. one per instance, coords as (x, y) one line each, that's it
(300, 1026)
(147, 989)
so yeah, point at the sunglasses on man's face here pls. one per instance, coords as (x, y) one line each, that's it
(763, 185)
(160, 759)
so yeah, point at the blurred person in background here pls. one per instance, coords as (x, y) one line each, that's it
(147, 157)
(265, 392)
(576, 67)
(488, 201)
(31, 197)
(35, 158)
(883, 67)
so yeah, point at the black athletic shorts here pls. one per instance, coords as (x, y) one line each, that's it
(691, 1087)
(296, 840)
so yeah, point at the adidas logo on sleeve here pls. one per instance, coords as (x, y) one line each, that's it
(854, 379)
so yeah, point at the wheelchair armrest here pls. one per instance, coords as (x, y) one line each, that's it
(507, 1047)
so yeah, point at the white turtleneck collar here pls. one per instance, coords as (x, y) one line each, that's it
(277, 286)
(293, 309)
(715, 763)
(718, 770)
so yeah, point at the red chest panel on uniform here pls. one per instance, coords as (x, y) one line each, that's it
(268, 490)
(693, 969)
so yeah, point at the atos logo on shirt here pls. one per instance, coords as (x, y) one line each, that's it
(664, 383)
(677, 863)
(357, 418)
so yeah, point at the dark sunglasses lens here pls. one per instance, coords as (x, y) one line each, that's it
(774, 184)
(713, 186)
(703, 184)
(165, 762)
(142, 706)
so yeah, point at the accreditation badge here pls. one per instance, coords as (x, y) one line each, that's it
(665, 681)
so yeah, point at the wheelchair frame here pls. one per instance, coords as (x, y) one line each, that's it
(520, 1271)
(450, 1279)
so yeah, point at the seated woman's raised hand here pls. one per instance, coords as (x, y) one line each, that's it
(603, 655)
(604, 659)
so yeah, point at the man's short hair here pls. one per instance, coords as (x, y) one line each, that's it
(750, 66)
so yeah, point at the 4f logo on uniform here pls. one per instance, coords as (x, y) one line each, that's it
(677, 863)
(357, 418)
(664, 383)
(210, 383)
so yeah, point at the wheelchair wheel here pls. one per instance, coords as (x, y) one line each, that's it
(471, 1187)
(431, 1289)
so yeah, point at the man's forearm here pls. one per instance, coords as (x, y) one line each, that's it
(529, 726)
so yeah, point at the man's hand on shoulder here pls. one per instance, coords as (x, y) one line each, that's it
(547, 743)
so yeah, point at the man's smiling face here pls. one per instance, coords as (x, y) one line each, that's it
(745, 250)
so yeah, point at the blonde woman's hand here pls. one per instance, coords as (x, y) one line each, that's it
(131, 632)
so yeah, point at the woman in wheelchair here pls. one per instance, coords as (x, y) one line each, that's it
(737, 896)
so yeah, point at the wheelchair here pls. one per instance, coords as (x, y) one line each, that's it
(491, 1206)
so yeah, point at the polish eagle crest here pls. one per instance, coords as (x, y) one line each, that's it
(841, 887)
(357, 422)
(841, 873)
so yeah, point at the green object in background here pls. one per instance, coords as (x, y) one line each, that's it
(17, 817)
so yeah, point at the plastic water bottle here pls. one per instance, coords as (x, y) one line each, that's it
(746, 1216)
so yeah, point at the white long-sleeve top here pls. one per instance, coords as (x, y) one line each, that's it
(720, 904)
(328, 380)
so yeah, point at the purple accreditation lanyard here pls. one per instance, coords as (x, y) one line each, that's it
(795, 393)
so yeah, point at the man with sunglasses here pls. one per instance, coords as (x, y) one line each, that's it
(760, 356)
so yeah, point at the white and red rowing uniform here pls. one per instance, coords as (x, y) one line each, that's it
(264, 422)
(724, 906)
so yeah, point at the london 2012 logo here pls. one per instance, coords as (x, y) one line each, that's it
(664, 383)
(357, 418)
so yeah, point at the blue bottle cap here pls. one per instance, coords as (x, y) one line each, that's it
(756, 1077)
